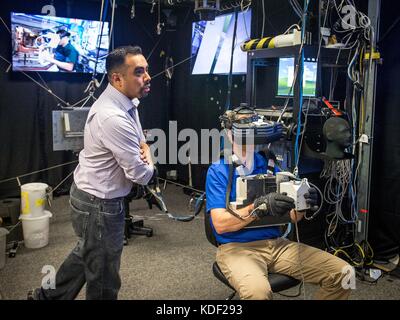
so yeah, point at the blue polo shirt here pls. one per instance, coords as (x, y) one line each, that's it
(216, 185)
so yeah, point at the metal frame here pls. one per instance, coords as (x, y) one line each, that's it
(366, 148)
(68, 127)
(256, 58)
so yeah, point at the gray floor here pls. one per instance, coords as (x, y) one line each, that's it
(173, 264)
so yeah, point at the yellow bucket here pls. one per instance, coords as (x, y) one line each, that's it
(33, 198)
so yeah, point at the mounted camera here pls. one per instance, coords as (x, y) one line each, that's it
(206, 9)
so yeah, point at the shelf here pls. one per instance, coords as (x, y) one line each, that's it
(291, 51)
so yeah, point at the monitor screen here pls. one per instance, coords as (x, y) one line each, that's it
(212, 44)
(286, 75)
(52, 44)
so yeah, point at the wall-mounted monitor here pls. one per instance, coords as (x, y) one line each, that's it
(212, 44)
(52, 44)
(286, 75)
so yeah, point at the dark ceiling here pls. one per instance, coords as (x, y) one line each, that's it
(169, 3)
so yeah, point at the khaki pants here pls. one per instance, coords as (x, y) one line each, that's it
(246, 266)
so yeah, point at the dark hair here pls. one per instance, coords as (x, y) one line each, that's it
(116, 58)
(63, 33)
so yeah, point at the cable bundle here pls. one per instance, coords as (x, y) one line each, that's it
(243, 4)
(341, 241)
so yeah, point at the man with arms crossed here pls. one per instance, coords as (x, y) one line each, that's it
(114, 157)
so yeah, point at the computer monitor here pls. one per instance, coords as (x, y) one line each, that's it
(286, 75)
(212, 44)
(56, 44)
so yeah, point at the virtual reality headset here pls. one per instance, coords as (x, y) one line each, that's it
(248, 127)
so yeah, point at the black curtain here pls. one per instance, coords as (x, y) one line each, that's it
(384, 223)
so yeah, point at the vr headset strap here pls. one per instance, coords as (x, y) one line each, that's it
(228, 192)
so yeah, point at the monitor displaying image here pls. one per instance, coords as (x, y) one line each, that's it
(286, 75)
(212, 44)
(55, 44)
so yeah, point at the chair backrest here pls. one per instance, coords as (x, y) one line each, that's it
(208, 229)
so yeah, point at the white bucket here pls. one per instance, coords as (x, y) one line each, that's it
(33, 199)
(36, 230)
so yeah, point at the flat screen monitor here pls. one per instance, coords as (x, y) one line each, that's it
(212, 44)
(286, 75)
(55, 44)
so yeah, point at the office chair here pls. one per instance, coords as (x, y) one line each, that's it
(134, 227)
(278, 282)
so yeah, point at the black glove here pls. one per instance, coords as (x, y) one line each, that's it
(152, 199)
(273, 204)
(153, 179)
(312, 198)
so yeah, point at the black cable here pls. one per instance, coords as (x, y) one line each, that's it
(293, 296)
(389, 30)
(228, 96)
(99, 42)
(153, 196)
(232, 167)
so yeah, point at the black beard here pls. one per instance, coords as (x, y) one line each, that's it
(143, 94)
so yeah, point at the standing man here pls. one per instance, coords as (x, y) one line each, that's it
(114, 157)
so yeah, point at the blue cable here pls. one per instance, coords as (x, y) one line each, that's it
(103, 18)
(296, 147)
(301, 67)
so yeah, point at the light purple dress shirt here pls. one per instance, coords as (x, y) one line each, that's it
(110, 160)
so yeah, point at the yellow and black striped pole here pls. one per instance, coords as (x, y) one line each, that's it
(254, 44)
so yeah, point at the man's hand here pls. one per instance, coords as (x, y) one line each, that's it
(153, 180)
(46, 56)
(273, 204)
(296, 216)
(145, 153)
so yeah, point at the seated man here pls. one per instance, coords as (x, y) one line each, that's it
(246, 255)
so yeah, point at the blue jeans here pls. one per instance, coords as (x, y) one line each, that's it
(95, 260)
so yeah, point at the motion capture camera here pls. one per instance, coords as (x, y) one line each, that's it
(248, 127)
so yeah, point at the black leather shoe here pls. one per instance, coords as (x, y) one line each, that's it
(32, 294)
